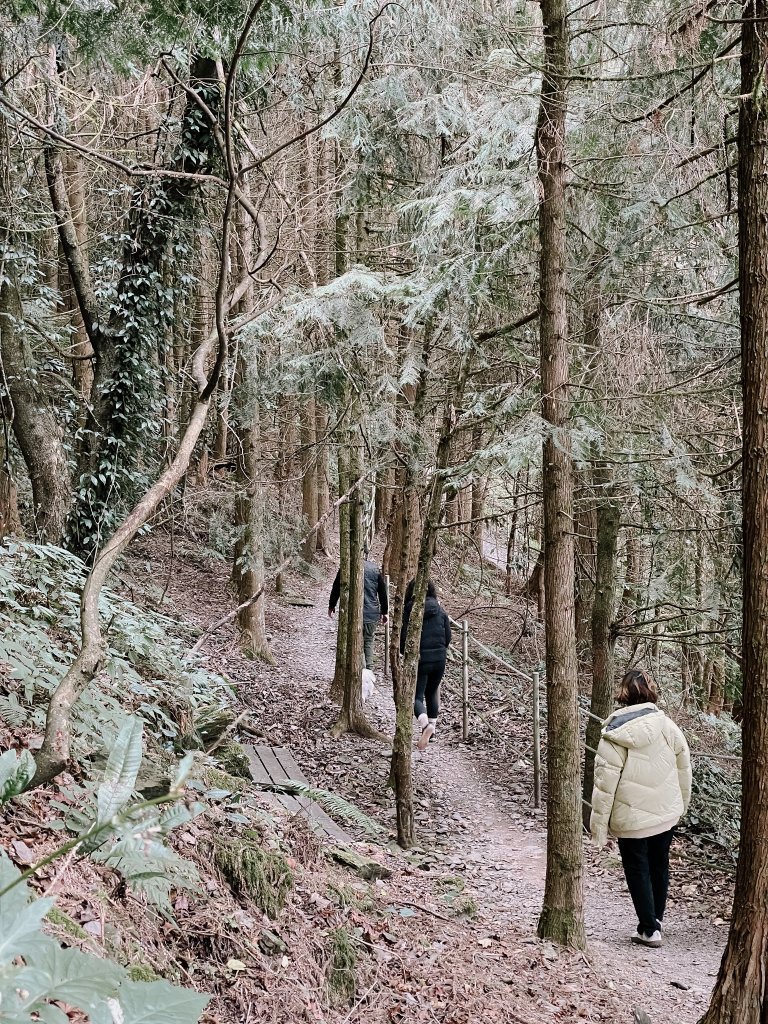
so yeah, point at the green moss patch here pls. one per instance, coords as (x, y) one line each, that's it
(251, 870)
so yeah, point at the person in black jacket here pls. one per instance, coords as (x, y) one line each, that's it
(375, 604)
(433, 651)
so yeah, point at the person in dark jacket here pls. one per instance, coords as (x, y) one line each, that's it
(375, 604)
(433, 651)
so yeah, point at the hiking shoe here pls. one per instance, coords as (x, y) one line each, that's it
(642, 939)
(426, 735)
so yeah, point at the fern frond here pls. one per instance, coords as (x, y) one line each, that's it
(330, 802)
(12, 712)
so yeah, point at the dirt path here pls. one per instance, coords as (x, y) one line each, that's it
(490, 835)
(474, 817)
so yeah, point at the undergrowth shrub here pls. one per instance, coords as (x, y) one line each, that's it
(37, 975)
(146, 672)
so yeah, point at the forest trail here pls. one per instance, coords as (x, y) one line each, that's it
(491, 836)
(474, 817)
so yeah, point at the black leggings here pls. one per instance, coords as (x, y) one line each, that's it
(646, 869)
(428, 682)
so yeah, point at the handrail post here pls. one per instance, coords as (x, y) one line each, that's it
(536, 743)
(465, 680)
(386, 631)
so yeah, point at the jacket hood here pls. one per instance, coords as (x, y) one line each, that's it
(634, 727)
(431, 607)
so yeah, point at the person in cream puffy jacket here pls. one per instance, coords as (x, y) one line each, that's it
(642, 789)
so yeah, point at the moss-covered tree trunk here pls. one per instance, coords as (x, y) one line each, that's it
(562, 915)
(10, 522)
(122, 423)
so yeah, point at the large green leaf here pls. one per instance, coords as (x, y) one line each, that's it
(14, 901)
(121, 771)
(19, 919)
(21, 935)
(69, 976)
(157, 1002)
(52, 1014)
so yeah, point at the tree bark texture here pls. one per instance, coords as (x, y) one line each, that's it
(603, 609)
(562, 915)
(405, 689)
(10, 522)
(342, 618)
(32, 420)
(309, 489)
(321, 477)
(349, 658)
(741, 991)
(248, 573)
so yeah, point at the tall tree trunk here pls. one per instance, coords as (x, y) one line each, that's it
(33, 422)
(342, 615)
(248, 575)
(349, 658)
(479, 488)
(716, 696)
(603, 609)
(562, 915)
(10, 523)
(82, 368)
(321, 477)
(741, 992)
(405, 690)
(309, 490)
(285, 445)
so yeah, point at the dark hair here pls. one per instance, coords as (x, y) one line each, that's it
(408, 597)
(637, 687)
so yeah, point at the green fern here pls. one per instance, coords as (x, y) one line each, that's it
(331, 802)
(12, 712)
(16, 771)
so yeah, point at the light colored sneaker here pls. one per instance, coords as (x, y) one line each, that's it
(422, 721)
(426, 735)
(642, 939)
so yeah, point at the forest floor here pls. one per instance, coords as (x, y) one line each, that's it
(481, 844)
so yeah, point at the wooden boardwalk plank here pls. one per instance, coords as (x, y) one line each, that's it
(277, 765)
(271, 763)
(258, 771)
(288, 764)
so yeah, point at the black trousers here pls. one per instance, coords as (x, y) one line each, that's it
(646, 869)
(428, 682)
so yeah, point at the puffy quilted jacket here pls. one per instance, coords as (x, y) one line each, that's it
(435, 632)
(642, 775)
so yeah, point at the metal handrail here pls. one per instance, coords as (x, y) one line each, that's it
(492, 654)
